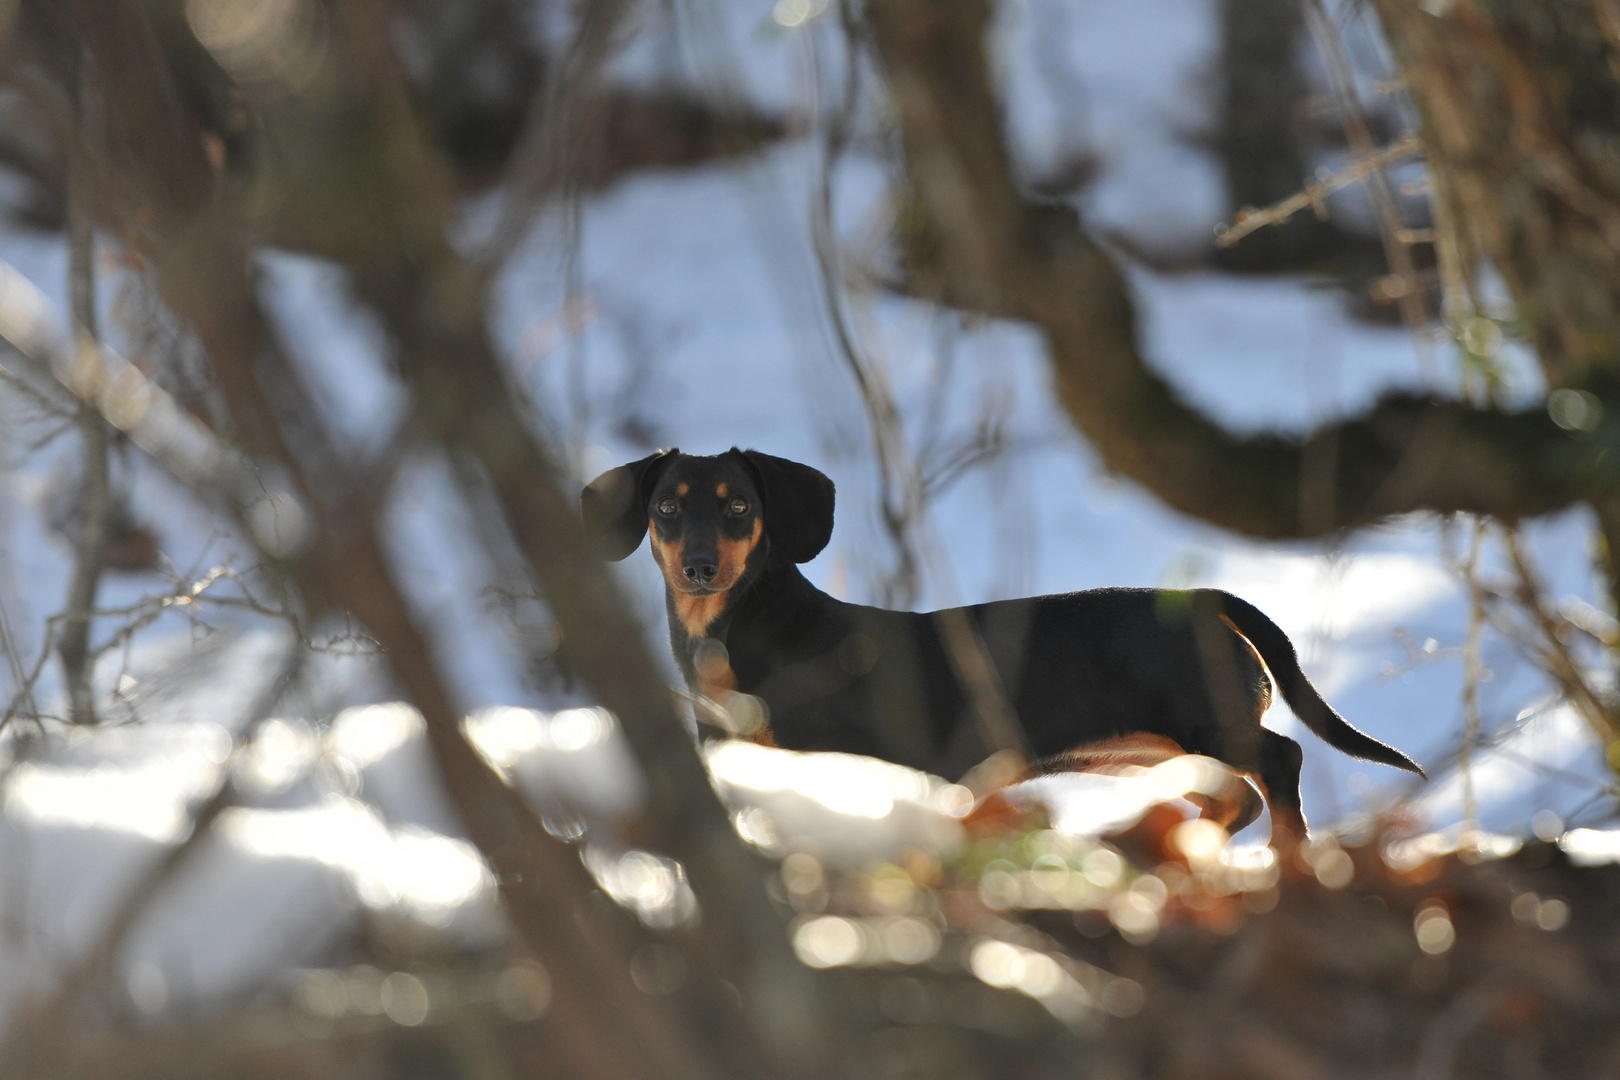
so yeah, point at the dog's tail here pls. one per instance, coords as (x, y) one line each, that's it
(1278, 653)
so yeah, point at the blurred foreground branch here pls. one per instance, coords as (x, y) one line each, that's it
(325, 536)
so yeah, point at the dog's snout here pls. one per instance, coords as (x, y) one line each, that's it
(700, 571)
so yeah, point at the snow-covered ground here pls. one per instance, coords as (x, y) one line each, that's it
(698, 322)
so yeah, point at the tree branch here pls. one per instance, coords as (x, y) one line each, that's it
(404, 265)
(986, 247)
(1517, 102)
(1315, 193)
(95, 492)
(1358, 133)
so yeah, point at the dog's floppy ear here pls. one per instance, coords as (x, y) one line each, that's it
(614, 505)
(798, 504)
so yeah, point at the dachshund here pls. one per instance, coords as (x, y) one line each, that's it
(729, 531)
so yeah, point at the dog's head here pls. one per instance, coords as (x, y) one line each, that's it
(713, 522)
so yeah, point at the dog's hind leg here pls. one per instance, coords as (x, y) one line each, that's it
(1233, 809)
(1280, 761)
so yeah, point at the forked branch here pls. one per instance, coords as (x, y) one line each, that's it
(992, 249)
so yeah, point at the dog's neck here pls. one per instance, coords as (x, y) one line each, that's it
(768, 608)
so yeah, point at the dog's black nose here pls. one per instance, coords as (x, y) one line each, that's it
(700, 573)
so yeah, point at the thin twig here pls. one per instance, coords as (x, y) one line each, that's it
(1473, 671)
(51, 434)
(24, 694)
(1359, 135)
(1554, 654)
(1568, 776)
(1612, 794)
(185, 597)
(19, 678)
(1416, 655)
(545, 160)
(1454, 254)
(122, 393)
(95, 488)
(1315, 192)
(900, 492)
(36, 397)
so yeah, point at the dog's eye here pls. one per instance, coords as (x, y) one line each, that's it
(666, 506)
(738, 506)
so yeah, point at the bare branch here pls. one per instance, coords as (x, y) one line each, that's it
(1555, 656)
(901, 496)
(976, 242)
(405, 266)
(1473, 672)
(548, 149)
(95, 490)
(1315, 192)
(1407, 290)
(36, 397)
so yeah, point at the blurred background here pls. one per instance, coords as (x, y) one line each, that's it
(329, 748)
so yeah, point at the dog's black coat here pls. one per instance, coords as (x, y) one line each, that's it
(728, 532)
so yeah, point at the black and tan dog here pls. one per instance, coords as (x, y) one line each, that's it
(728, 532)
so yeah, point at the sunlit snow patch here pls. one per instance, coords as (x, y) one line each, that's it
(1053, 981)
(655, 888)
(1591, 847)
(578, 753)
(147, 798)
(281, 752)
(1473, 845)
(1100, 804)
(851, 808)
(428, 875)
(368, 733)
(824, 941)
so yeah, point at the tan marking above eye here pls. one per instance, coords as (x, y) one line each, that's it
(721, 490)
(682, 488)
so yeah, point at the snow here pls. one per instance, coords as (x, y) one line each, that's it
(699, 321)
(849, 810)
